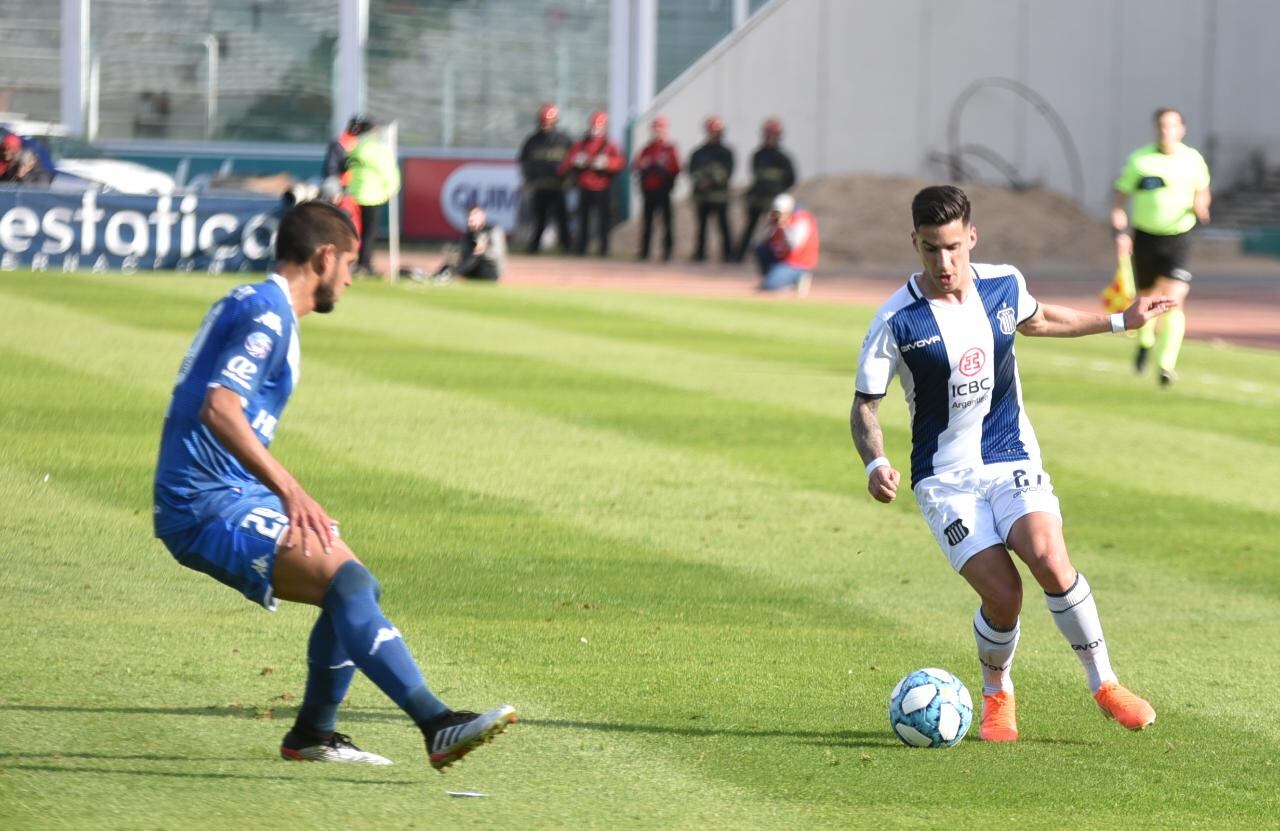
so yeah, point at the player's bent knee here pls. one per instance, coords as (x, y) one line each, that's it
(1003, 604)
(351, 579)
(305, 579)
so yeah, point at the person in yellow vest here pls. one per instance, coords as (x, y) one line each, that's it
(335, 155)
(375, 181)
(1169, 185)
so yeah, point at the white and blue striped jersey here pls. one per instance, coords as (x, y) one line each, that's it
(248, 343)
(957, 366)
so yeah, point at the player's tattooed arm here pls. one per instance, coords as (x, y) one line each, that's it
(864, 425)
(1063, 322)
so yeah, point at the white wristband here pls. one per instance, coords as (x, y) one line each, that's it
(1117, 322)
(878, 461)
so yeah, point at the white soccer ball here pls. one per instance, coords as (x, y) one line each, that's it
(930, 708)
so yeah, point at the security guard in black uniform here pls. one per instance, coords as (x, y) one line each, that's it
(710, 169)
(771, 174)
(540, 157)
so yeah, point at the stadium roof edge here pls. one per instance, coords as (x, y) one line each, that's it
(711, 55)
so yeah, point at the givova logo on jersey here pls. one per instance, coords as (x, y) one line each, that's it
(920, 344)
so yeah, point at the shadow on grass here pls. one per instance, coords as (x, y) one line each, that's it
(844, 738)
(253, 712)
(849, 738)
(174, 774)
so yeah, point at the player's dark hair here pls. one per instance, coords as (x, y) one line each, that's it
(309, 225)
(938, 205)
(1163, 111)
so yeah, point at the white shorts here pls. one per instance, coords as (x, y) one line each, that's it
(974, 508)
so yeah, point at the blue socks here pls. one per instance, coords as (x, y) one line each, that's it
(353, 628)
(329, 673)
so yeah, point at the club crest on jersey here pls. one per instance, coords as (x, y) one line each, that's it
(258, 345)
(272, 321)
(972, 361)
(1007, 319)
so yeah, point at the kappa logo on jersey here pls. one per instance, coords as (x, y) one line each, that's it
(241, 370)
(272, 321)
(1008, 320)
(956, 532)
(920, 344)
(258, 345)
(972, 361)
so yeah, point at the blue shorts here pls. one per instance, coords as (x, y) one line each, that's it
(238, 546)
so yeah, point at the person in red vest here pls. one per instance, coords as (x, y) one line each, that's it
(788, 251)
(657, 166)
(335, 156)
(594, 161)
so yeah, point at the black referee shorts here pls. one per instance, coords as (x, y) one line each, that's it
(1155, 256)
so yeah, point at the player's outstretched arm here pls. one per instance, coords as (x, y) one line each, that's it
(864, 424)
(1051, 321)
(224, 416)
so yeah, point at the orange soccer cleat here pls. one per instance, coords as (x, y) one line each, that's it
(1133, 712)
(999, 720)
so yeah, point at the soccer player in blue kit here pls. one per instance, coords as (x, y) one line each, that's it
(225, 506)
(975, 464)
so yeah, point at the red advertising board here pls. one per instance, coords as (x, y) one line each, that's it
(436, 193)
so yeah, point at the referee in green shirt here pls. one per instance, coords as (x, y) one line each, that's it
(1169, 185)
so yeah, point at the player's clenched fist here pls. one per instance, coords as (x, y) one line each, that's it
(883, 483)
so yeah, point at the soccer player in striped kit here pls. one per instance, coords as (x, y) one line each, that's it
(975, 465)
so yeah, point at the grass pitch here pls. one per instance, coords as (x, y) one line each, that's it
(640, 520)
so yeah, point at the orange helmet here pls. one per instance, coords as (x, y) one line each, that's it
(548, 114)
(599, 118)
(714, 125)
(773, 127)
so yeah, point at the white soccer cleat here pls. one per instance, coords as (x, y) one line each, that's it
(338, 748)
(456, 733)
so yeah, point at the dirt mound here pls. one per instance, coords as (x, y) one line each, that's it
(866, 223)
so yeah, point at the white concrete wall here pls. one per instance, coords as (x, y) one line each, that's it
(868, 85)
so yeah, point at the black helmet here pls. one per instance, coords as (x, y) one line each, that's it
(359, 124)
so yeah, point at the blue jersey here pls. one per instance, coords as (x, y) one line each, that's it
(248, 343)
(957, 366)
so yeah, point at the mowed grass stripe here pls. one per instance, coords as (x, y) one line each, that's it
(745, 666)
(109, 361)
(1229, 374)
(1193, 408)
(211, 594)
(674, 489)
(541, 767)
(828, 394)
(713, 740)
(484, 418)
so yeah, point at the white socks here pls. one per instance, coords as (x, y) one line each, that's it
(1076, 615)
(995, 652)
